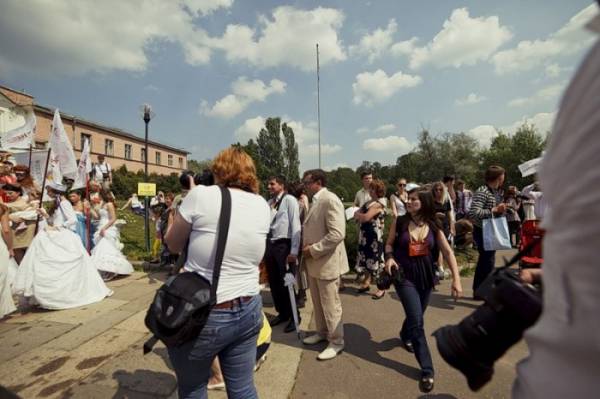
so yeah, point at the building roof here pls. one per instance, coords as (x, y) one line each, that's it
(113, 130)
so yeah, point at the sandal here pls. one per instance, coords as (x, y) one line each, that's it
(426, 384)
(378, 297)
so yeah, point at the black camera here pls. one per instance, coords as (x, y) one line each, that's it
(384, 279)
(205, 178)
(473, 346)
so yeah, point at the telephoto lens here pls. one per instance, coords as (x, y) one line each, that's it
(184, 179)
(474, 345)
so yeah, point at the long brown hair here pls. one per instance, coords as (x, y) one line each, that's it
(426, 213)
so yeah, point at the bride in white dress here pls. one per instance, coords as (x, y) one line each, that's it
(56, 271)
(107, 255)
(7, 304)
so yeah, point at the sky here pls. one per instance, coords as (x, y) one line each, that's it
(214, 70)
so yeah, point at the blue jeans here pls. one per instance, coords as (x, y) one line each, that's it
(231, 334)
(415, 302)
(485, 262)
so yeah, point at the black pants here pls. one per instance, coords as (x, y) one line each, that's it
(276, 261)
(485, 262)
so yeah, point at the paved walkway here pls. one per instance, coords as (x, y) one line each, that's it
(96, 351)
(373, 364)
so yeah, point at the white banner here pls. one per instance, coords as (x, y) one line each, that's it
(84, 167)
(530, 167)
(62, 157)
(38, 163)
(21, 137)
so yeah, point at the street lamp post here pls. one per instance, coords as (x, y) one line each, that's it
(148, 114)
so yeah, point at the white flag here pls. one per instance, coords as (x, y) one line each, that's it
(84, 167)
(21, 137)
(38, 163)
(62, 155)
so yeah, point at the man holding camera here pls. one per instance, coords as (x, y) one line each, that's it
(103, 173)
(283, 244)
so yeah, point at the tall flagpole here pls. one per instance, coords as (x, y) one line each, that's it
(319, 105)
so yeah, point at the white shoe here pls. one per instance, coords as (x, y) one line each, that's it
(330, 352)
(313, 339)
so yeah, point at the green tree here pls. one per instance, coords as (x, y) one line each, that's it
(290, 154)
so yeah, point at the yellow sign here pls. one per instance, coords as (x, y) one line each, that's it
(146, 189)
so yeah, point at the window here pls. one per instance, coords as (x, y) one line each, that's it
(108, 147)
(170, 160)
(143, 155)
(127, 151)
(180, 163)
(84, 137)
(157, 158)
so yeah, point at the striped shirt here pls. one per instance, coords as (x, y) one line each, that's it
(481, 206)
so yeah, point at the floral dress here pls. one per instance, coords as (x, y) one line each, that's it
(370, 242)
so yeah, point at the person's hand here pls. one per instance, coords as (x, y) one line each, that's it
(531, 276)
(499, 209)
(390, 265)
(102, 232)
(306, 251)
(42, 212)
(292, 259)
(453, 230)
(456, 289)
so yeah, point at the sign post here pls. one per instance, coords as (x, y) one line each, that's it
(146, 190)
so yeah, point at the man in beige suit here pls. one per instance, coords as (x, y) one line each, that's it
(325, 260)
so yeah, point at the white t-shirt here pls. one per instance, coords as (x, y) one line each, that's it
(250, 223)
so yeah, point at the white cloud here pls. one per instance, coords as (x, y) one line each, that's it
(250, 129)
(470, 99)
(363, 130)
(336, 166)
(553, 70)
(397, 144)
(484, 134)
(303, 132)
(375, 87)
(529, 54)
(542, 121)
(245, 92)
(105, 38)
(326, 149)
(288, 38)
(206, 7)
(385, 128)
(77, 37)
(462, 41)
(542, 96)
(374, 44)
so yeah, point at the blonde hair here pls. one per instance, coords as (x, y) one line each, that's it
(233, 167)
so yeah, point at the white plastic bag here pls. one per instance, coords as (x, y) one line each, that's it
(495, 234)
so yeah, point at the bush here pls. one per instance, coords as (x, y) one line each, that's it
(125, 182)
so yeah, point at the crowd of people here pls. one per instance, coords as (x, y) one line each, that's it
(300, 229)
(58, 247)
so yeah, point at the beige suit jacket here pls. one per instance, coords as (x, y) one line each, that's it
(324, 231)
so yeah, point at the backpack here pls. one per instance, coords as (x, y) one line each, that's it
(182, 305)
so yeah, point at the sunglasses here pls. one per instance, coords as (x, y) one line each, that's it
(401, 185)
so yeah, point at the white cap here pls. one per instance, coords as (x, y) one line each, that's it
(57, 186)
(411, 186)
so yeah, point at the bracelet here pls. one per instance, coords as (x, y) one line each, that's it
(388, 255)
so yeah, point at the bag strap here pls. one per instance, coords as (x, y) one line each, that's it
(222, 231)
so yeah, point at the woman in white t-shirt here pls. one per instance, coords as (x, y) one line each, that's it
(233, 325)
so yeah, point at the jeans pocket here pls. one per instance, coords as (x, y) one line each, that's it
(204, 345)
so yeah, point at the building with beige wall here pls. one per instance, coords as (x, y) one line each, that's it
(119, 147)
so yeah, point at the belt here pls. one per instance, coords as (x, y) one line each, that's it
(233, 302)
(278, 240)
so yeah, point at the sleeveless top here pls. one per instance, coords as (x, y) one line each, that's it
(417, 269)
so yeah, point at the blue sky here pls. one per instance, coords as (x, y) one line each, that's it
(214, 69)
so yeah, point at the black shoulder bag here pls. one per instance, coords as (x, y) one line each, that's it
(182, 305)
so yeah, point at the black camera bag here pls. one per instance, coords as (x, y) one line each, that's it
(181, 306)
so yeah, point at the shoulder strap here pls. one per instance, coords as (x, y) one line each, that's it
(222, 231)
(278, 203)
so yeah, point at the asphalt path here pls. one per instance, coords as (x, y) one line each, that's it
(373, 365)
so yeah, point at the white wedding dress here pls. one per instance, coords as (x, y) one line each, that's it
(106, 255)
(56, 271)
(7, 304)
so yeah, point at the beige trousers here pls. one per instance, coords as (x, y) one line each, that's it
(327, 309)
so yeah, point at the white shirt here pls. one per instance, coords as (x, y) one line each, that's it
(539, 201)
(100, 169)
(564, 344)
(64, 216)
(400, 207)
(285, 222)
(245, 247)
(362, 197)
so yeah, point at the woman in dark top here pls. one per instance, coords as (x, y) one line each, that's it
(411, 243)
